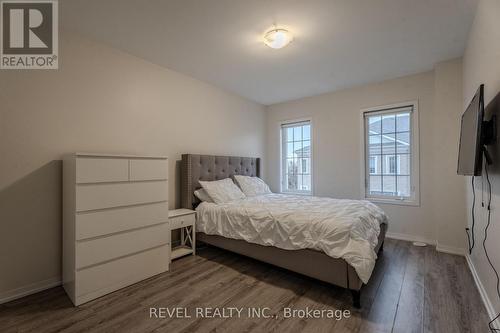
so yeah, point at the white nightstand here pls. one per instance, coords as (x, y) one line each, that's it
(183, 219)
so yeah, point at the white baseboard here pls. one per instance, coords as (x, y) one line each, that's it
(29, 289)
(409, 238)
(484, 296)
(450, 249)
(439, 247)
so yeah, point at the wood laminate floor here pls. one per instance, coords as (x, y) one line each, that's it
(411, 290)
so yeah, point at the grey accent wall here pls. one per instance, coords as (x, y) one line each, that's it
(100, 100)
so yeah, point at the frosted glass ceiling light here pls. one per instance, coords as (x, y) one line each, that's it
(277, 38)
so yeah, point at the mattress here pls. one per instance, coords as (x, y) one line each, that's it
(346, 229)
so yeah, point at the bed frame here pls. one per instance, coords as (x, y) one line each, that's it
(311, 263)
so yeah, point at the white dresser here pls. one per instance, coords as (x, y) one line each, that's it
(115, 228)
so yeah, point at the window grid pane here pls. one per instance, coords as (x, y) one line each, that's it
(388, 139)
(296, 157)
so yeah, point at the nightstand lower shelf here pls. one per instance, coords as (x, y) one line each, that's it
(180, 251)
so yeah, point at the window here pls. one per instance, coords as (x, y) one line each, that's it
(373, 164)
(391, 160)
(296, 157)
(391, 153)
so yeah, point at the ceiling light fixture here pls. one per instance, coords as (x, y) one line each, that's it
(277, 38)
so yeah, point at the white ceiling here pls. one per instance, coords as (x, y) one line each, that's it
(338, 43)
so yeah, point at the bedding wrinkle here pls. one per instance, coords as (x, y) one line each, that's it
(346, 229)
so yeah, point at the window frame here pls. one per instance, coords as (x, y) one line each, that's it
(414, 199)
(282, 158)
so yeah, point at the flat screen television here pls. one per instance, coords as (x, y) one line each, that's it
(471, 137)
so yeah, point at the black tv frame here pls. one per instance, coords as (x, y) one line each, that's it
(478, 158)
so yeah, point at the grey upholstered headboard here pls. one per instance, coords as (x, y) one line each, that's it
(208, 167)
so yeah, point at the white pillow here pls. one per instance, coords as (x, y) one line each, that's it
(222, 191)
(203, 195)
(252, 186)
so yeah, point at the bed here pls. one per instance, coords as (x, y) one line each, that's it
(239, 227)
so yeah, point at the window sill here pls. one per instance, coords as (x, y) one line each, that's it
(398, 202)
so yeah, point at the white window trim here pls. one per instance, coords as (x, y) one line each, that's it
(414, 200)
(282, 166)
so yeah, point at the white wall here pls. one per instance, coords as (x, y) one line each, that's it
(482, 65)
(448, 189)
(337, 148)
(100, 100)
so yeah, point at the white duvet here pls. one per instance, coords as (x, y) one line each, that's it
(346, 229)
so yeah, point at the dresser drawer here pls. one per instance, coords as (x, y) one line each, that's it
(99, 196)
(177, 222)
(98, 280)
(92, 224)
(98, 170)
(148, 169)
(91, 252)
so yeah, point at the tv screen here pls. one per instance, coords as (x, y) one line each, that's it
(470, 149)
